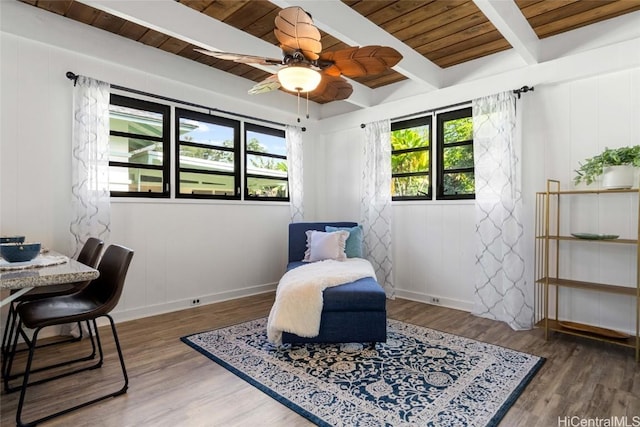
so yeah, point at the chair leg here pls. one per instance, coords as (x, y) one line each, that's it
(70, 339)
(8, 331)
(25, 382)
(91, 356)
(10, 356)
(7, 336)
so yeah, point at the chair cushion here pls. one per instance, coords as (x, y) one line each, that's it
(57, 310)
(362, 295)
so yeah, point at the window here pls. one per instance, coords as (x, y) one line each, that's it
(207, 156)
(204, 156)
(138, 148)
(411, 159)
(455, 155)
(265, 163)
(411, 165)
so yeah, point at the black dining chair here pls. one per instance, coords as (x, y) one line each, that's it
(96, 300)
(89, 255)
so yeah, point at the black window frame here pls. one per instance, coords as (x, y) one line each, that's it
(411, 123)
(252, 127)
(165, 110)
(180, 113)
(441, 118)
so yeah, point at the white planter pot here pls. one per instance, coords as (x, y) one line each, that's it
(614, 177)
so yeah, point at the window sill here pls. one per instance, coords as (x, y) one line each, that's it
(173, 201)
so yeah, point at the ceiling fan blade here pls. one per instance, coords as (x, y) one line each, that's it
(269, 84)
(332, 88)
(361, 61)
(295, 32)
(239, 57)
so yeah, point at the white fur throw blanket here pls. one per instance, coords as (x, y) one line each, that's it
(298, 305)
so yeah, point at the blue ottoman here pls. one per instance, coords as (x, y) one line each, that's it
(352, 312)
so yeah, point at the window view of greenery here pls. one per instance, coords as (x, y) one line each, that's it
(207, 155)
(138, 145)
(456, 154)
(410, 159)
(265, 163)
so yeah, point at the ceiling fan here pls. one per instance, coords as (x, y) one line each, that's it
(305, 68)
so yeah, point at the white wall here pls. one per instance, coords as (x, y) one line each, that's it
(210, 250)
(239, 248)
(564, 123)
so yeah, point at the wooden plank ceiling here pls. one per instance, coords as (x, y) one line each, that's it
(446, 32)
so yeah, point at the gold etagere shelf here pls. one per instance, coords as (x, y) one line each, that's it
(547, 264)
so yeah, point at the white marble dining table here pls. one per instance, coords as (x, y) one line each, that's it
(25, 276)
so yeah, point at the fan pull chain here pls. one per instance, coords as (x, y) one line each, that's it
(298, 93)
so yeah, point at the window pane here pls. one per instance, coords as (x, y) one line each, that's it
(206, 133)
(417, 161)
(209, 184)
(265, 187)
(135, 179)
(265, 165)
(206, 159)
(410, 186)
(458, 183)
(458, 130)
(410, 138)
(264, 143)
(131, 120)
(133, 150)
(458, 157)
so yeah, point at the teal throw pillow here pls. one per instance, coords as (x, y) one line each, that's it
(353, 247)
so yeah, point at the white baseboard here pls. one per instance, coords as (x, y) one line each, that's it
(435, 300)
(138, 313)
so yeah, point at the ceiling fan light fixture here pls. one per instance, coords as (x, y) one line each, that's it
(298, 78)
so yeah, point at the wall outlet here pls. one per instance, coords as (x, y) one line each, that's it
(435, 300)
(195, 301)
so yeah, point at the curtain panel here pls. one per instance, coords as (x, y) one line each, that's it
(293, 136)
(501, 288)
(90, 203)
(375, 204)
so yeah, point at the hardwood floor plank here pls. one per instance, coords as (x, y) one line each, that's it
(173, 385)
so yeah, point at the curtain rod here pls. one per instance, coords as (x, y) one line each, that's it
(523, 89)
(73, 76)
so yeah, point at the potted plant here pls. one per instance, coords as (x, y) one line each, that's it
(616, 165)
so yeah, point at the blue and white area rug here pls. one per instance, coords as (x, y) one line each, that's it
(419, 377)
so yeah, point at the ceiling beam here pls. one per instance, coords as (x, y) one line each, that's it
(177, 20)
(509, 21)
(347, 25)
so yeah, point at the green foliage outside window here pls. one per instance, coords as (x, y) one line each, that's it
(264, 162)
(458, 130)
(458, 156)
(410, 154)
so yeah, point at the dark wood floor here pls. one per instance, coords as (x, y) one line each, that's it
(173, 385)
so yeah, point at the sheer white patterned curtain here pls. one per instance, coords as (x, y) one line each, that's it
(501, 288)
(375, 205)
(91, 211)
(293, 137)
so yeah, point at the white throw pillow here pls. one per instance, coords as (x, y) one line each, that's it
(322, 245)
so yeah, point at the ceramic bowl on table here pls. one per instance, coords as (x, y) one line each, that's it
(11, 239)
(19, 252)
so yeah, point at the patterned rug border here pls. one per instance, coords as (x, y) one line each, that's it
(495, 420)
